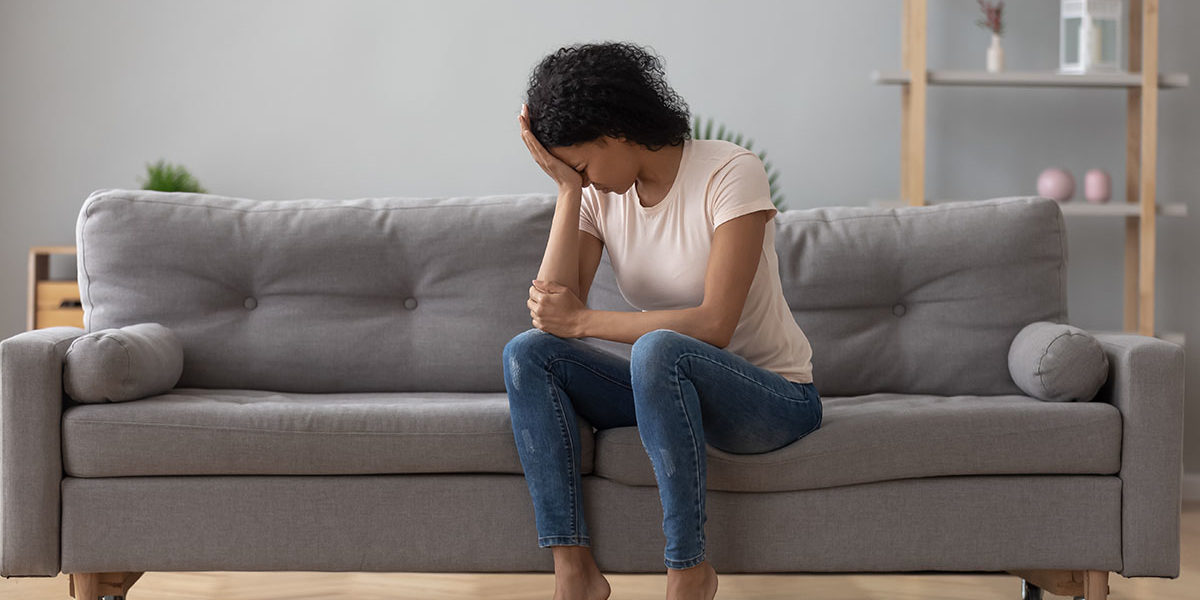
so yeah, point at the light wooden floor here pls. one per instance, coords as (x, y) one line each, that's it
(422, 586)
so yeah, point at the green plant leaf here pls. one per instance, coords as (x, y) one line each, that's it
(165, 177)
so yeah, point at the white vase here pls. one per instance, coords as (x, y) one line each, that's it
(995, 55)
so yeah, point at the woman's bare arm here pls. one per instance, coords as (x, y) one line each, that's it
(561, 261)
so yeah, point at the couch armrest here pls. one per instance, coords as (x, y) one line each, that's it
(1145, 382)
(31, 405)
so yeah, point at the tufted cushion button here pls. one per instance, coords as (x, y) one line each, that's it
(410, 303)
(250, 303)
(899, 310)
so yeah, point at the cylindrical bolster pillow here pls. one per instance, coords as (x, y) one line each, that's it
(127, 363)
(1057, 362)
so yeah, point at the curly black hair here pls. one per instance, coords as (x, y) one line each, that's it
(582, 92)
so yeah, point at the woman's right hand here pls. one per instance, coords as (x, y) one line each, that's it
(562, 173)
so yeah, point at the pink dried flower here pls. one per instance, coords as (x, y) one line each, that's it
(993, 16)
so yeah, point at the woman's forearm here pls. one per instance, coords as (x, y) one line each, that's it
(561, 261)
(628, 326)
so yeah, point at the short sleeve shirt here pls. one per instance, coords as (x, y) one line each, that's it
(660, 253)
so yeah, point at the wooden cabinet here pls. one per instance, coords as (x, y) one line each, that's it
(52, 303)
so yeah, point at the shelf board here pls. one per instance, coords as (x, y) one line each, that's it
(1087, 209)
(1032, 79)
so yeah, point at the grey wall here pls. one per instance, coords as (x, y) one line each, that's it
(278, 100)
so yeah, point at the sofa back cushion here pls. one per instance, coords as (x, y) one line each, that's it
(422, 294)
(312, 295)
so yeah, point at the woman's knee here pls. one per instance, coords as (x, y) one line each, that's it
(530, 344)
(661, 346)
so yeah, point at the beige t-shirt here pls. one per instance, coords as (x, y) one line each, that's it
(660, 254)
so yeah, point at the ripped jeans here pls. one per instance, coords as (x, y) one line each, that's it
(679, 391)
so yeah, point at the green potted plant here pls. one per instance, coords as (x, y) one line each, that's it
(706, 133)
(165, 177)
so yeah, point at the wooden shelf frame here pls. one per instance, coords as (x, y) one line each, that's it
(1083, 209)
(1142, 83)
(1032, 79)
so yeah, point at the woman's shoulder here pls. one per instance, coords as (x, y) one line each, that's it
(715, 160)
(712, 155)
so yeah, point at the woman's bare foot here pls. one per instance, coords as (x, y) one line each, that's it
(695, 583)
(576, 575)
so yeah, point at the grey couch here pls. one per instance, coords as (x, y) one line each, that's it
(342, 405)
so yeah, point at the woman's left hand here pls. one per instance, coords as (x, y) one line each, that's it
(556, 309)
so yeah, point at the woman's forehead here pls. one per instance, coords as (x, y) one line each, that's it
(584, 150)
(575, 152)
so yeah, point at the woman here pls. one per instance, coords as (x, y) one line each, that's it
(717, 357)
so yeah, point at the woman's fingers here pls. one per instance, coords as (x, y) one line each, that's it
(531, 140)
(534, 153)
(534, 146)
(558, 170)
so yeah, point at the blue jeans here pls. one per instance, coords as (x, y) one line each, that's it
(679, 391)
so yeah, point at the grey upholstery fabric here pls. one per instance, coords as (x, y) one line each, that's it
(865, 439)
(318, 296)
(1057, 362)
(1146, 385)
(249, 432)
(122, 363)
(485, 523)
(881, 437)
(420, 294)
(31, 402)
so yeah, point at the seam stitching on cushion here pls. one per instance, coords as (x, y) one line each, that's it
(222, 428)
(1062, 265)
(128, 357)
(921, 213)
(303, 208)
(1043, 357)
(852, 450)
(87, 277)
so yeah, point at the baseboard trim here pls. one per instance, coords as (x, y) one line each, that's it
(1191, 487)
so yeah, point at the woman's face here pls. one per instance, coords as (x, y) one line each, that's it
(607, 164)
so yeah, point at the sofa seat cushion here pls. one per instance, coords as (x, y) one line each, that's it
(193, 431)
(880, 437)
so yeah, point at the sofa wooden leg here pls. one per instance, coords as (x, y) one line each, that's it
(101, 586)
(1092, 585)
(1095, 585)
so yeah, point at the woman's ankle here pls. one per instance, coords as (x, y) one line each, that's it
(573, 558)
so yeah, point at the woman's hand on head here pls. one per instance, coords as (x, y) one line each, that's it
(563, 174)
